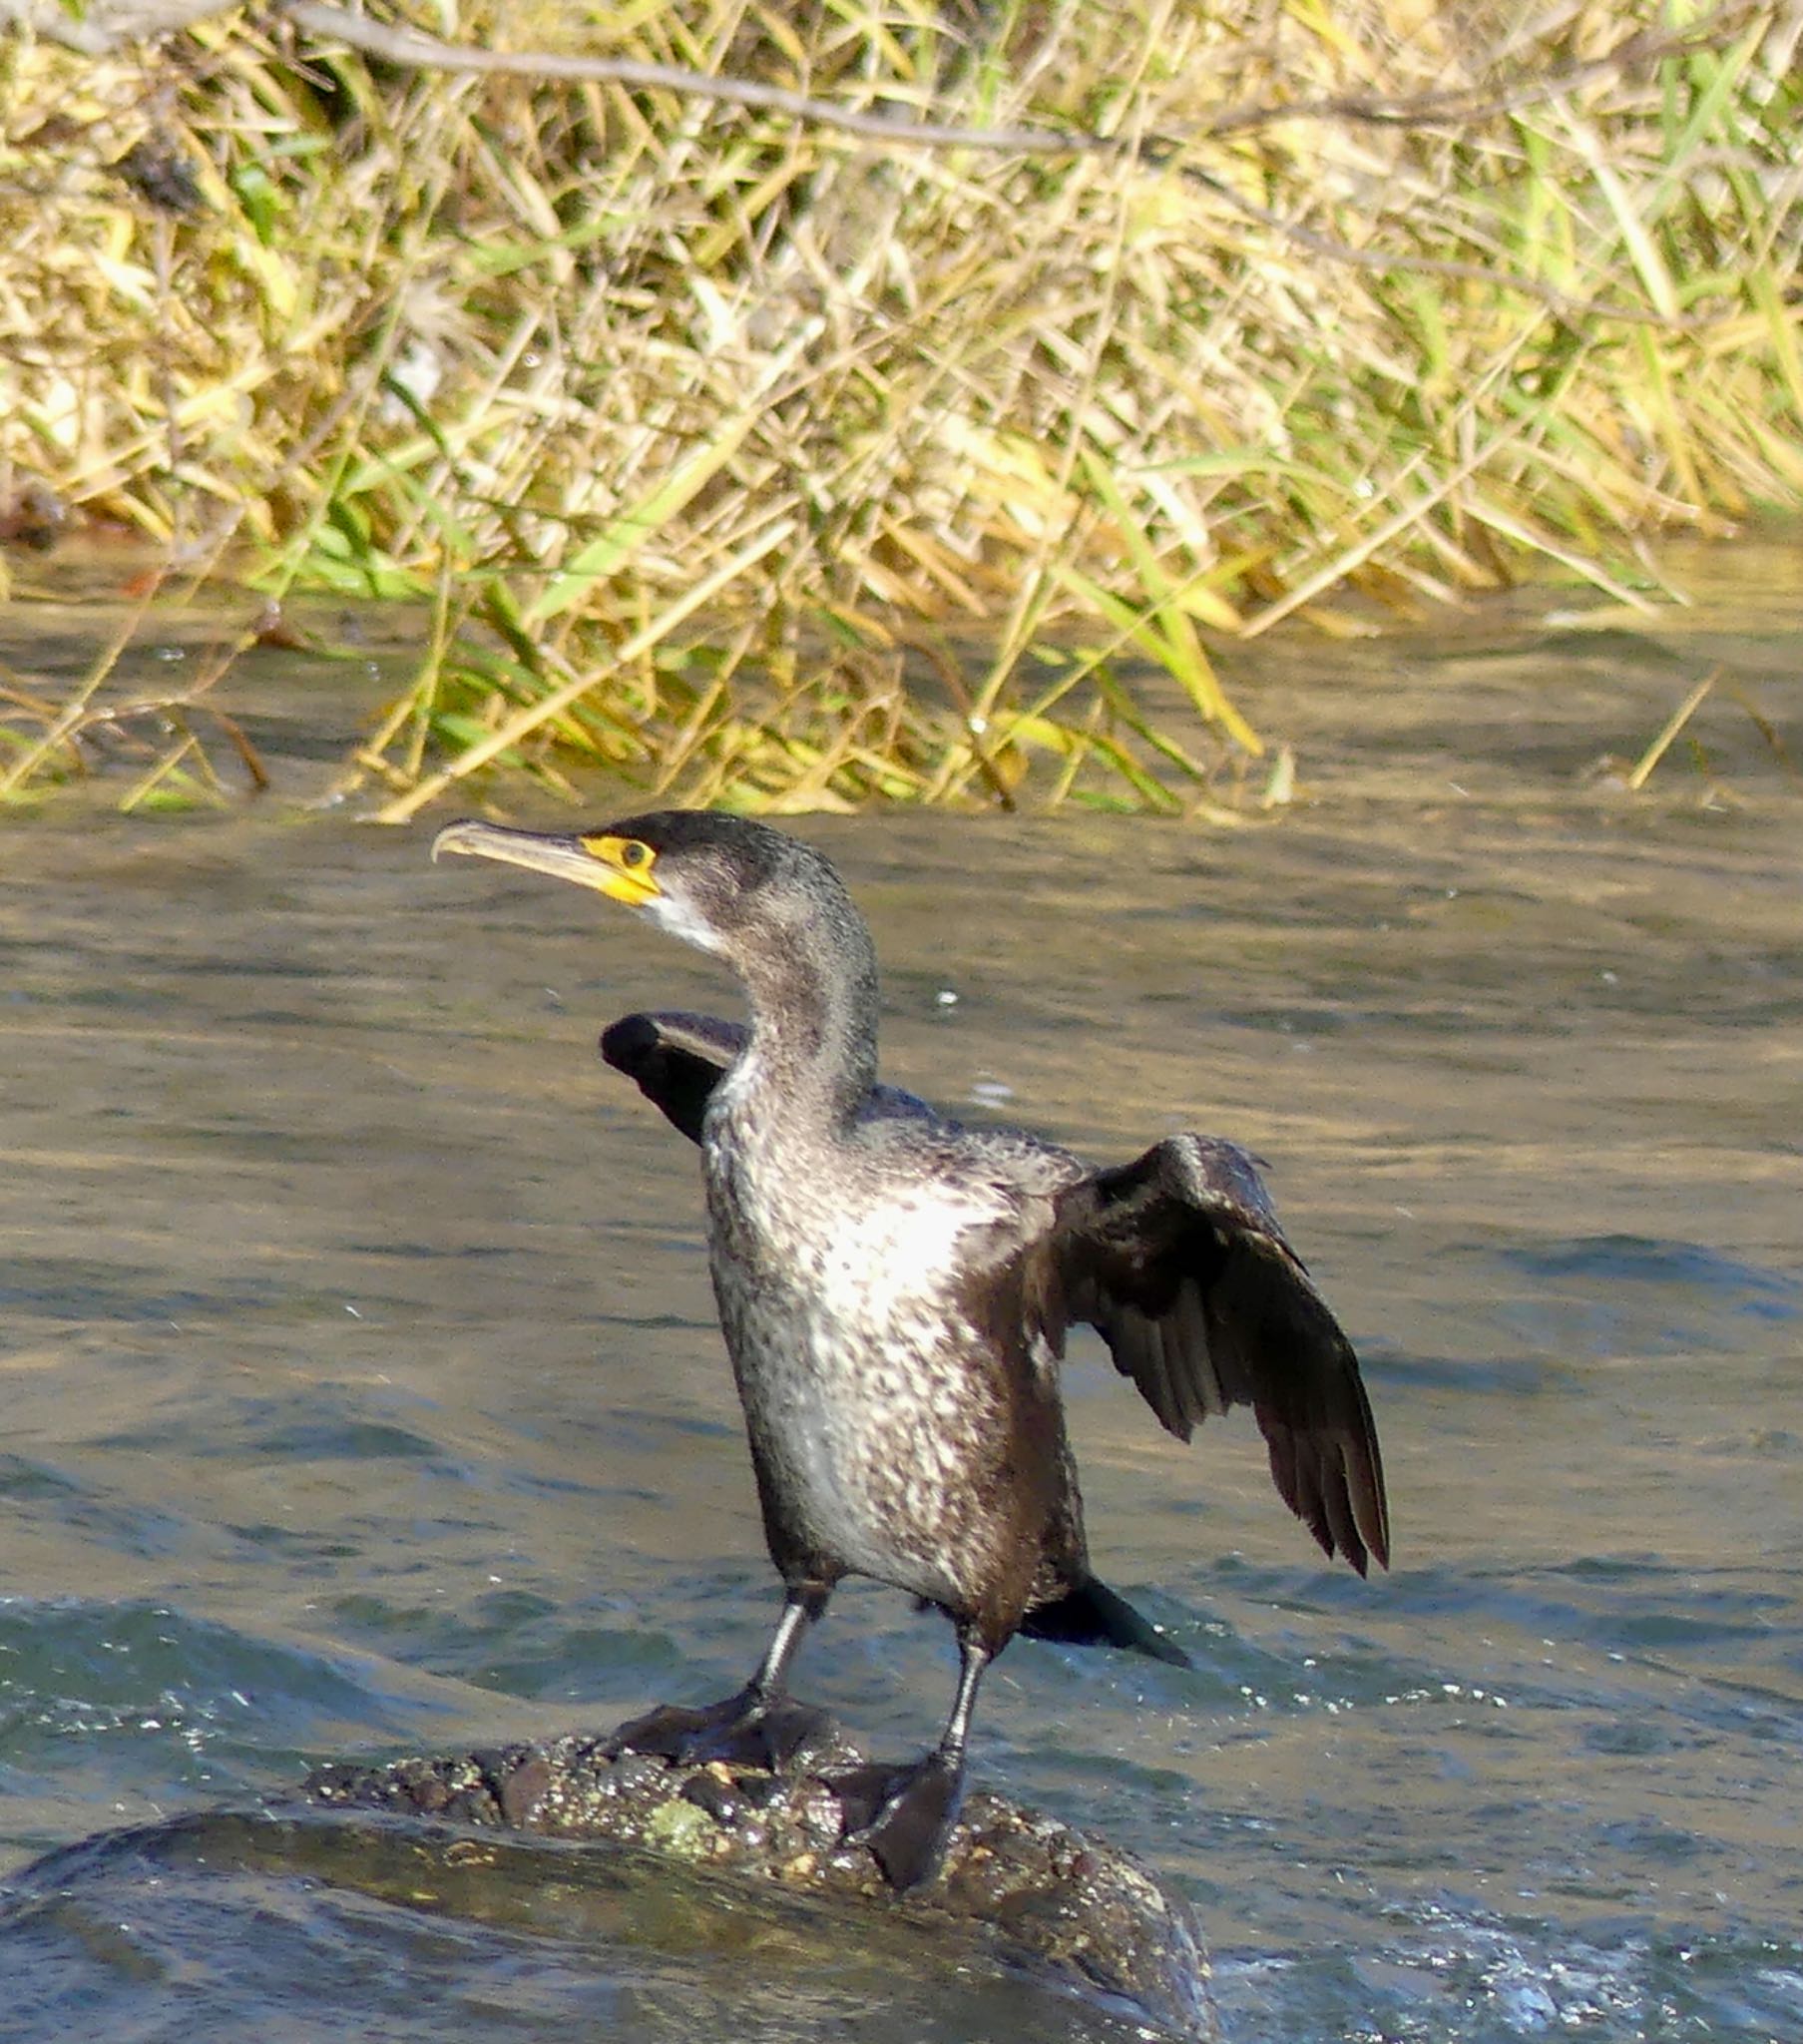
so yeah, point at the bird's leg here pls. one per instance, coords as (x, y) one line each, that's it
(759, 1726)
(905, 1814)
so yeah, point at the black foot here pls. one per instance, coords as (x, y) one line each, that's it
(744, 1730)
(904, 1814)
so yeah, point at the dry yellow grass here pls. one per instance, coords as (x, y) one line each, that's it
(720, 438)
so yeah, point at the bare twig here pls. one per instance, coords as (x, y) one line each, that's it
(107, 25)
(1466, 107)
(1636, 52)
(412, 47)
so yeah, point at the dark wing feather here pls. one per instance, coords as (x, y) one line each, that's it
(676, 1060)
(1178, 1263)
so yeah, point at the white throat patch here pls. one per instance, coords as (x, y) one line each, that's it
(682, 921)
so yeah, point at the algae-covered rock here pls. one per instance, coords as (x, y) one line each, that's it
(1088, 1915)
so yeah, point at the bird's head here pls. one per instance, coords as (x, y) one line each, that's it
(703, 877)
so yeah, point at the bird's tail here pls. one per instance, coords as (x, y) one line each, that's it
(1092, 1615)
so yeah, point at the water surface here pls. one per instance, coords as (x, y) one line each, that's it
(363, 1392)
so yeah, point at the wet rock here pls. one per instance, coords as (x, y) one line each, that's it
(1065, 1903)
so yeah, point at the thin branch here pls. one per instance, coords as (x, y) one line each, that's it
(110, 22)
(413, 47)
(107, 25)
(1638, 52)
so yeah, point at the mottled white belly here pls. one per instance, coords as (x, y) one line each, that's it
(866, 1388)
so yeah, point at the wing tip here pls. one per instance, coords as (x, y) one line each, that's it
(627, 1043)
(1335, 1486)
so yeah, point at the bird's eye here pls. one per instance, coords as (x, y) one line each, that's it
(633, 853)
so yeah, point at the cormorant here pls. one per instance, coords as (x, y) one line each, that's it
(895, 1291)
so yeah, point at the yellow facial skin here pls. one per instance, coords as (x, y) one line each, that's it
(624, 869)
(619, 867)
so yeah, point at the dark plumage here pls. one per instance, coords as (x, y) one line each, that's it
(895, 1291)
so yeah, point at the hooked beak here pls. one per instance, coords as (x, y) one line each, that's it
(591, 862)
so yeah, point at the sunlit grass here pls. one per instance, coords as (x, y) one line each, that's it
(708, 436)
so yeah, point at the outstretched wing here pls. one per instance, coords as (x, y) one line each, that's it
(1176, 1259)
(676, 1060)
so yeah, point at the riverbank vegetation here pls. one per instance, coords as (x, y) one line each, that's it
(767, 461)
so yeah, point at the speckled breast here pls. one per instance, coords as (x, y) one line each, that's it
(878, 1413)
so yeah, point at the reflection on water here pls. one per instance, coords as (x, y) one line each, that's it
(362, 1390)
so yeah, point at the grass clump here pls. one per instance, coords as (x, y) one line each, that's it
(717, 439)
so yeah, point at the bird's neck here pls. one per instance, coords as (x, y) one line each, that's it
(812, 990)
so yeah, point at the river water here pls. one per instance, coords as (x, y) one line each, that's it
(362, 1392)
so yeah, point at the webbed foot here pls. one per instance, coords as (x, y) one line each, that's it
(904, 1814)
(747, 1729)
